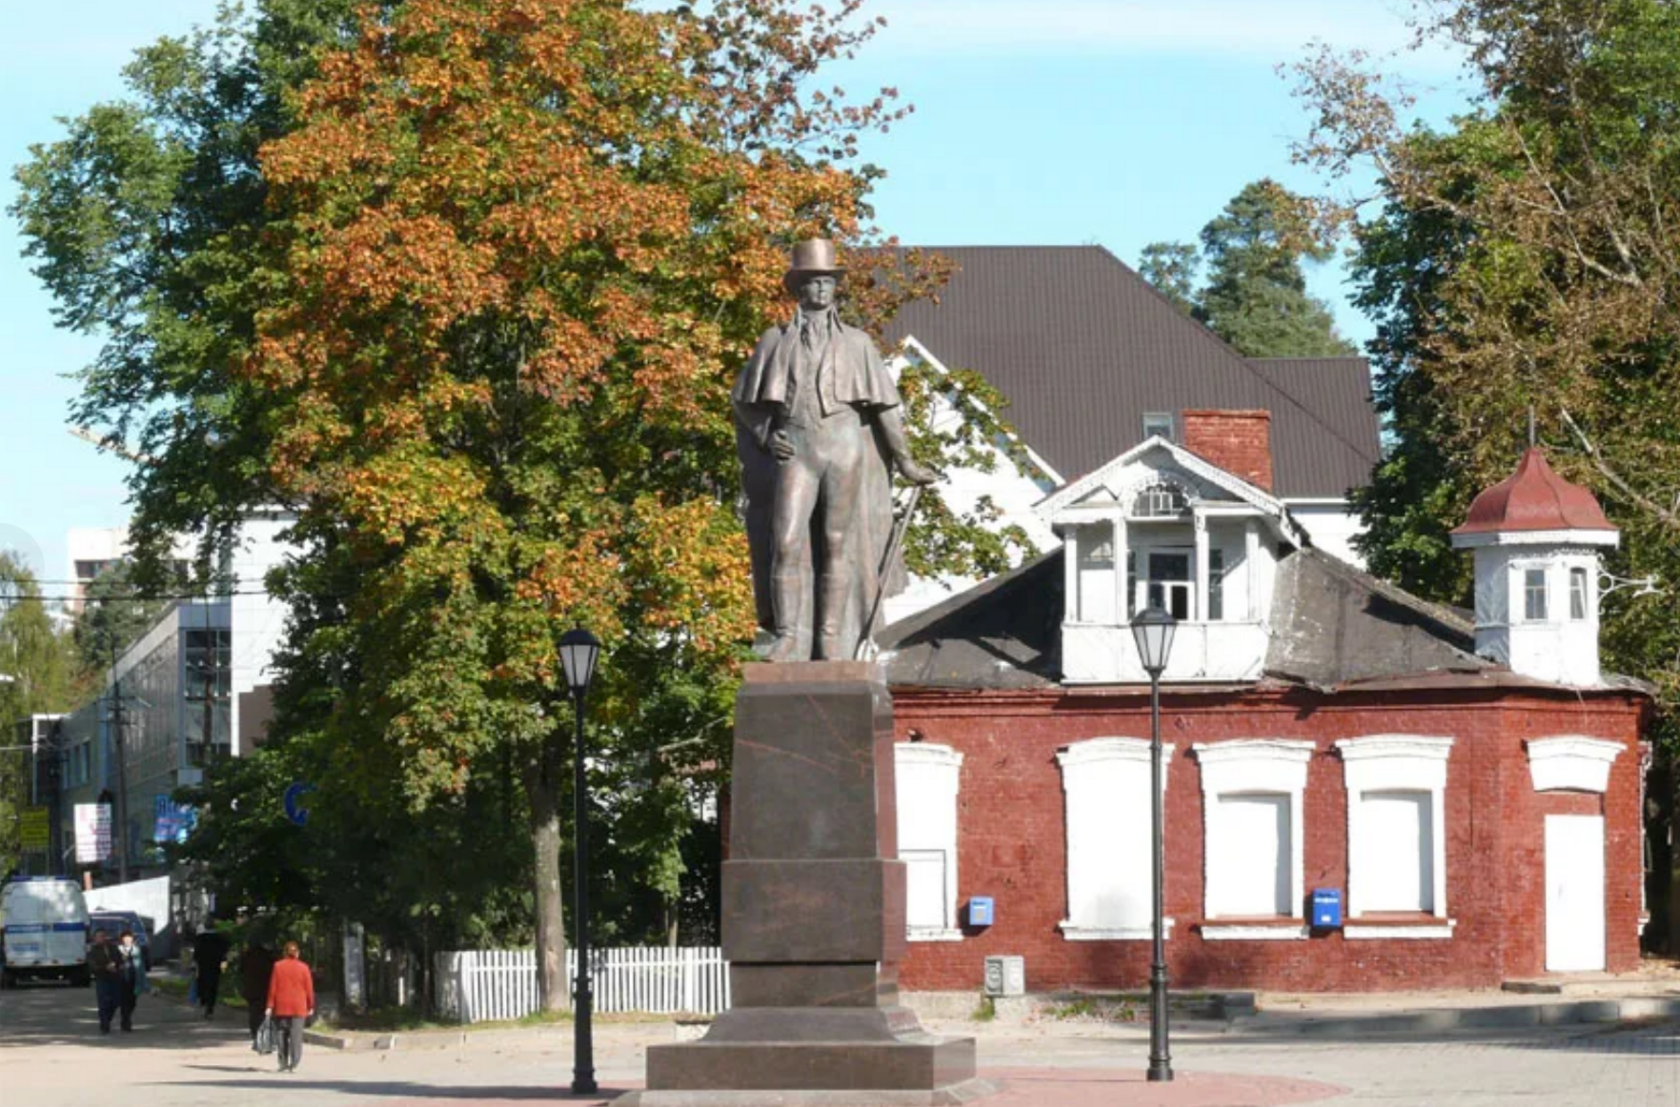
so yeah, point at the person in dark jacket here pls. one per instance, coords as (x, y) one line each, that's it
(255, 966)
(105, 966)
(131, 972)
(210, 953)
(291, 1000)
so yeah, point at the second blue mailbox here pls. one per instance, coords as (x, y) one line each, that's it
(1327, 907)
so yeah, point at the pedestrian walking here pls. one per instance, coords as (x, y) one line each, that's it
(131, 975)
(105, 966)
(210, 953)
(256, 964)
(291, 1000)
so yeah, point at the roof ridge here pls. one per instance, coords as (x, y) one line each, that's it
(1312, 357)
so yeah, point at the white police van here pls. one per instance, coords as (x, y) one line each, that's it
(43, 928)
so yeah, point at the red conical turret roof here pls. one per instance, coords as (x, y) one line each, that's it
(1534, 498)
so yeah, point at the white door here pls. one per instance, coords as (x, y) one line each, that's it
(1574, 893)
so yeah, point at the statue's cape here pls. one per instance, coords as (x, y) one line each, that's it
(851, 363)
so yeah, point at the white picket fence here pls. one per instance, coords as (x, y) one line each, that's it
(488, 985)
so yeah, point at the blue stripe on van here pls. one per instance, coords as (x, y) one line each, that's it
(42, 928)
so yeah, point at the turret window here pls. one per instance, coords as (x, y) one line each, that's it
(1577, 594)
(1534, 595)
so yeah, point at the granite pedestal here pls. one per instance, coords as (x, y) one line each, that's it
(813, 914)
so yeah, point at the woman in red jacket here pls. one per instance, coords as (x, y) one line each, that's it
(291, 1000)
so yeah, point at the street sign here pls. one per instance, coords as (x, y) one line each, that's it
(33, 831)
(295, 809)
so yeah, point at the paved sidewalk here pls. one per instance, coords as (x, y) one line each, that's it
(51, 1055)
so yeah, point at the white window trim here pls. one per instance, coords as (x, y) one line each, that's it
(1073, 933)
(1093, 750)
(930, 753)
(1396, 762)
(1256, 765)
(1240, 933)
(1571, 762)
(1374, 932)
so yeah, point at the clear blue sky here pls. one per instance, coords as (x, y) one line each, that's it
(1117, 122)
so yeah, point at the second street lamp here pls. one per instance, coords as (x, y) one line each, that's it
(1152, 631)
(578, 652)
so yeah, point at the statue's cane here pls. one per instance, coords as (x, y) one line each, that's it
(894, 539)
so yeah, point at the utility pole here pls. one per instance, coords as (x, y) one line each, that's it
(121, 743)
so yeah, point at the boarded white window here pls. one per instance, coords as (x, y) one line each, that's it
(1396, 796)
(1398, 858)
(928, 905)
(927, 778)
(1109, 873)
(1252, 793)
(1096, 573)
(1253, 877)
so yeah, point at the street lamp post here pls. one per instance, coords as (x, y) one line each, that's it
(1152, 631)
(578, 652)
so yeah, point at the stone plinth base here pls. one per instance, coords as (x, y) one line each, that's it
(850, 1051)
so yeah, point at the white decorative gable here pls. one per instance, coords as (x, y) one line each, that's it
(1010, 489)
(1160, 525)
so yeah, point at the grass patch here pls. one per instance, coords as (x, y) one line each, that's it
(1092, 1009)
(986, 1011)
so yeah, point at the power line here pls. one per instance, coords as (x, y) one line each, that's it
(133, 597)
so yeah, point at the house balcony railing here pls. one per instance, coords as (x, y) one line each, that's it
(1097, 653)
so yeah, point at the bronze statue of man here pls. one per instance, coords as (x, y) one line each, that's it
(819, 424)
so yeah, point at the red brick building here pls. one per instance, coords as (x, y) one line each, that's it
(1474, 802)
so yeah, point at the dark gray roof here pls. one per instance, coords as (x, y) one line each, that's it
(1333, 627)
(1082, 347)
(1002, 633)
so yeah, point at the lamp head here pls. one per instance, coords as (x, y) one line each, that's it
(1152, 630)
(578, 651)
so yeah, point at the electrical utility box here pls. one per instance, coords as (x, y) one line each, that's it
(1006, 976)
(1326, 908)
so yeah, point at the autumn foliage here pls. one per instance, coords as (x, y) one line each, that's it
(524, 244)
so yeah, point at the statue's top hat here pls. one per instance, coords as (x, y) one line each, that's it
(813, 256)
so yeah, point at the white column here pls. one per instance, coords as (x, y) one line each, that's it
(1199, 521)
(1251, 557)
(1119, 522)
(1070, 572)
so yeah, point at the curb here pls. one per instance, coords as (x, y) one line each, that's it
(1441, 1020)
(348, 1042)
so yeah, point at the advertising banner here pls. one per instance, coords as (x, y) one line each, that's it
(171, 821)
(33, 832)
(93, 833)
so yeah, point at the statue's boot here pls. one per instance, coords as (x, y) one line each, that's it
(786, 591)
(831, 643)
(785, 647)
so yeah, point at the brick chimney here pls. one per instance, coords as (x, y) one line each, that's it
(1239, 442)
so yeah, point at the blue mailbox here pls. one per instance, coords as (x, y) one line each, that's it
(979, 910)
(1327, 907)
